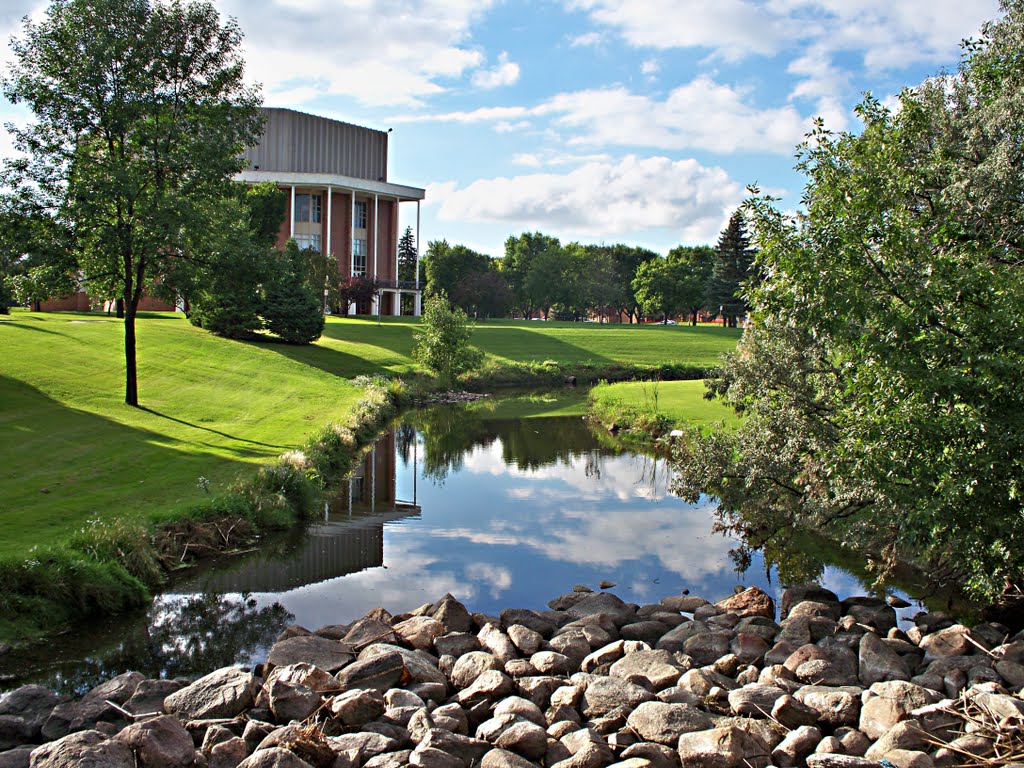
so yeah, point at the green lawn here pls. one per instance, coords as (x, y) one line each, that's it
(682, 402)
(70, 449)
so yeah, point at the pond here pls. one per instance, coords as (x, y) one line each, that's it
(498, 512)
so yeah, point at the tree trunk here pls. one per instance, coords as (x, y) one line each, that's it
(131, 384)
(119, 303)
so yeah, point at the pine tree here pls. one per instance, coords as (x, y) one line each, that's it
(407, 256)
(734, 258)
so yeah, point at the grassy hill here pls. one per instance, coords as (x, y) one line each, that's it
(214, 408)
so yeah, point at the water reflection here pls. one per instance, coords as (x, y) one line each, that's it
(498, 512)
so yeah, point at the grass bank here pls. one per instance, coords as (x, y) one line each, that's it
(641, 411)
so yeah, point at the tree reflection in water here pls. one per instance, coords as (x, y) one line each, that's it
(185, 636)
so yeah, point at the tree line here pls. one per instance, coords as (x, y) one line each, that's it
(539, 275)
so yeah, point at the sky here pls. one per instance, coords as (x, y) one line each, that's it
(599, 121)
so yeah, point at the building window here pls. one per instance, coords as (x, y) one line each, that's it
(359, 257)
(307, 208)
(359, 219)
(308, 241)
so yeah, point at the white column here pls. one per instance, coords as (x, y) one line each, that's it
(417, 248)
(352, 237)
(417, 308)
(330, 253)
(396, 306)
(291, 227)
(376, 235)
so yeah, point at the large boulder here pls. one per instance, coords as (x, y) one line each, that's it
(664, 723)
(161, 742)
(225, 693)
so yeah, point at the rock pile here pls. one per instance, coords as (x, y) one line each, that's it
(591, 683)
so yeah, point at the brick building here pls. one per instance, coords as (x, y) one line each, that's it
(340, 201)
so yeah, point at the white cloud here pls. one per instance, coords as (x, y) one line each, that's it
(650, 67)
(505, 73)
(701, 114)
(369, 50)
(603, 199)
(586, 40)
(498, 578)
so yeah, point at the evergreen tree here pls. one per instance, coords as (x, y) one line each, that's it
(732, 268)
(291, 309)
(407, 256)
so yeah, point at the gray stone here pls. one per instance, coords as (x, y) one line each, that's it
(603, 603)
(452, 614)
(31, 703)
(551, 663)
(420, 667)
(274, 757)
(502, 758)
(520, 707)
(150, 695)
(792, 713)
(399, 759)
(71, 716)
(419, 631)
(648, 631)
(365, 744)
(572, 644)
(292, 701)
(493, 639)
(878, 662)
(701, 682)
(796, 746)
(675, 639)
(374, 627)
(722, 748)
(886, 703)
(657, 755)
(428, 757)
(451, 717)
(952, 641)
(161, 742)
(798, 593)
(529, 619)
(836, 706)
(19, 757)
(854, 742)
(904, 735)
(527, 640)
(84, 749)
(755, 700)
(706, 648)
(322, 652)
(463, 747)
(660, 669)
(117, 689)
(524, 738)
(752, 601)
(492, 684)
(456, 644)
(306, 743)
(16, 731)
(538, 689)
(225, 693)
(357, 706)
(606, 693)
(825, 760)
(606, 654)
(664, 723)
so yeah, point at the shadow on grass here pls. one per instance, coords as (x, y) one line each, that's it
(527, 346)
(22, 324)
(213, 431)
(60, 466)
(332, 361)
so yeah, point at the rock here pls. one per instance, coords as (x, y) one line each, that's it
(71, 716)
(907, 758)
(825, 760)
(291, 701)
(522, 708)
(419, 666)
(466, 749)
(19, 757)
(502, 758)
(16, 731)
(499, 644)
(117, 689)
(526, 739)
(225, 693)
(660, 669)
(538, 689)
(752, 601)
(606, 654)
(374, 627)
(657, 755)
(887, 703)
(150, 695)
(606, 693)
(419, 631)
(603, 603)
(329, 655)
(551, 663)
(527, 640)
(792, 713)
(357, 706)
(648, 631)
(492, 684)
(799, 593)
(31, 703)
(871, 612)
(84, 749)
(161, 742)
(952, 641)
(529, 619)
(796, 746)
(706, 648)
(452, 614)
(274, 757)
(364, 744)
(835, 706)
(399, 759)
(878, 663)
(665, 723)
(721, 748)
(755, 700)
(904, 735)
(701, 682)
(456, 644)
(379, 672)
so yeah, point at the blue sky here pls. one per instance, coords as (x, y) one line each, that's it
(636, 121)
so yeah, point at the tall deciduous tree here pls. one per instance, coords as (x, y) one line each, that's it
(697, 262)
(141, 117)
(732, 268)
(883, 375)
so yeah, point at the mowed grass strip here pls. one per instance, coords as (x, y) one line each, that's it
(681, 402)
(212, 408)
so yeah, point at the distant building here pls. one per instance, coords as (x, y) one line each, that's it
(340, 201)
